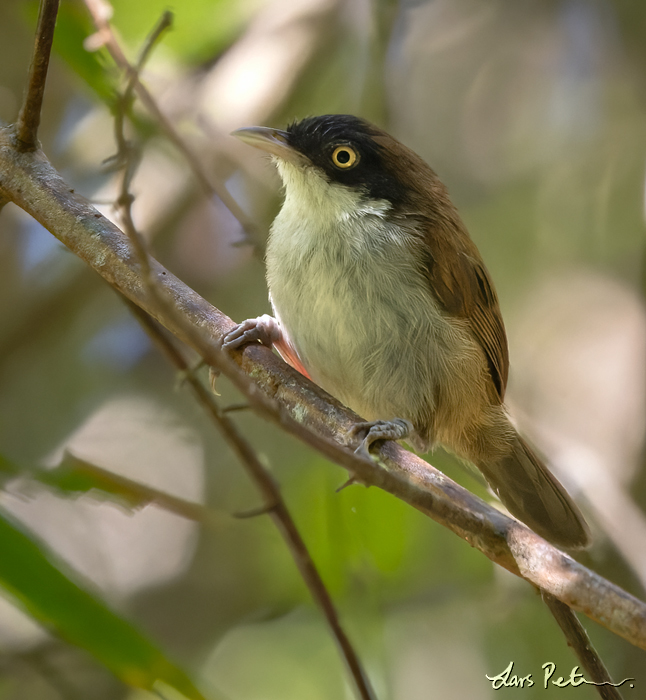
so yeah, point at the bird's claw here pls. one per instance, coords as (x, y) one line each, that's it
(364, 450)
(396, 429)
(264, 329)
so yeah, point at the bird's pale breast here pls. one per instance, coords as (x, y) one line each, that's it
(357, 310)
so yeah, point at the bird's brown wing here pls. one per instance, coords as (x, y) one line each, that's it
(464, 289)
(453, 264)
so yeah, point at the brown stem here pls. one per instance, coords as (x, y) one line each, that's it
(578, 639)
(274, 504)
(29, 117)
(127, 154)
(279, 393)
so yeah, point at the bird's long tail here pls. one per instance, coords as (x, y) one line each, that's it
(531, 493)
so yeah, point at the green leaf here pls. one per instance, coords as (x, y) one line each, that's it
(31, 577)
(202, 29)
(75, 477)
(73, 26)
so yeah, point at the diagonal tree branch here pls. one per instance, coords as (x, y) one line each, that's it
(274, 504)
(284, 396)
(29, 117)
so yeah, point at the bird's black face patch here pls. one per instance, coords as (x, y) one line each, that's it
(344, 147)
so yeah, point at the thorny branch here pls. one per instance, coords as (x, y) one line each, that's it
(29, 117)
(101, 11)
(274, 504)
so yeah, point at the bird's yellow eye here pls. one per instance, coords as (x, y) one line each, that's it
(344, 157)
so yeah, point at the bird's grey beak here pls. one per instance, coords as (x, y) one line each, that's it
(273, 141)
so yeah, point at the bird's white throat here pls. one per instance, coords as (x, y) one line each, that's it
(311, 198)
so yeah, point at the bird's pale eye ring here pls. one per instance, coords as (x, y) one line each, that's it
(345, 157)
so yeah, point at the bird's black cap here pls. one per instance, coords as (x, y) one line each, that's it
(317, 138)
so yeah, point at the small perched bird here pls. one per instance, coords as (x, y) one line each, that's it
(383, 300)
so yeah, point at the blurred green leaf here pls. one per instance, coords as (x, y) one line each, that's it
(201, 30)
(72, 29)
(356, 532)
(29, 575)
(73, 26)
(73, 476)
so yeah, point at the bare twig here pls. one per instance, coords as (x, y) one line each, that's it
(580, 642)
(127, 153)
(164, 23)
(281, 394)
(236, 407)
(274, 505)
(100, 12)
(29, 117)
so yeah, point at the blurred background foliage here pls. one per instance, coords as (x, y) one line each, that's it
(534, 114)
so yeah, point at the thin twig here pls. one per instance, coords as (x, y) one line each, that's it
(282, 395)
(29, 117)
(236, 407)
(164, 23)
(100, 13)
(127, 153)
(580, 642)
(274, 505)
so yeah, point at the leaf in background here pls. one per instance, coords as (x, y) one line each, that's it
(76, 476)
(73, 26)
(73, 476)
(30, 577)
(202, 29)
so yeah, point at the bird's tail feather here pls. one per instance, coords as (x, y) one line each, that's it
(532, 494)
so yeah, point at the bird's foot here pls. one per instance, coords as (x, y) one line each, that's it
(264, 329)
(396, 429)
